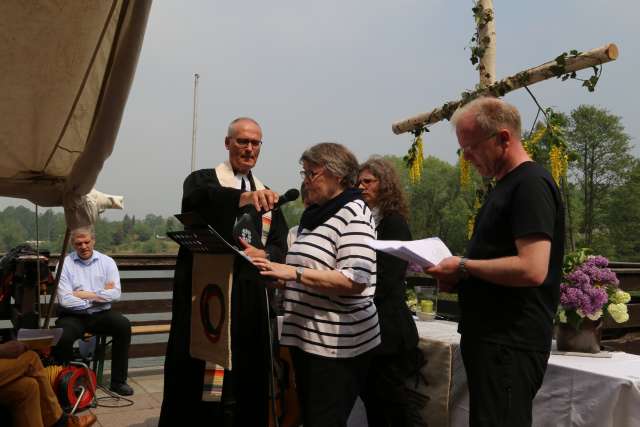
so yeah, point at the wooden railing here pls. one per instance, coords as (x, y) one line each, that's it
(135, 262)
(147, 302)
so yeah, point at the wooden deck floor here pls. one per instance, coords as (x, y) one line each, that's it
(147, 384)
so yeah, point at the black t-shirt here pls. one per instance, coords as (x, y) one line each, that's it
(524, 202)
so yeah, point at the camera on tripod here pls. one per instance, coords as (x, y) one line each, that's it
(24, 276)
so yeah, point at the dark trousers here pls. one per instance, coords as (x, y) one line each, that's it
(107, 322)
(385, 396)
(327, 387)
(502, 382)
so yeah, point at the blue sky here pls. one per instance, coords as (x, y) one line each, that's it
(339, 71)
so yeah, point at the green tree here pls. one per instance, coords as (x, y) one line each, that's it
(172, 225)
(154, 220)
(127, 224)
(602, 148)
(624, 217)
(540, 151)
(292, 212)
(437, 204)
(143, 232)
(46, 225)
(103, 231)
(13, 233)
(117, 238)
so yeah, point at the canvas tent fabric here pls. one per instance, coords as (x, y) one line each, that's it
(67, 68)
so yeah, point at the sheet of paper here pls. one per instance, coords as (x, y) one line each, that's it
(601, 355)
(39, 339)
(424, 252)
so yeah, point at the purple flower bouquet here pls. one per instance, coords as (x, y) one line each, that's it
(590, 289)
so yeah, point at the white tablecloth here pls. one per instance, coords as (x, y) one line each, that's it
(577, 391)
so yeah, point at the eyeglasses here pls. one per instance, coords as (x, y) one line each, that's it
(244, 142)
(367, 181)
(470, 147)
(310, 175)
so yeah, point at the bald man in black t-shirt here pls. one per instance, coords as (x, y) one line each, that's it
(509, 281)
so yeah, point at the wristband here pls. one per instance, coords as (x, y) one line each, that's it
(462, 268)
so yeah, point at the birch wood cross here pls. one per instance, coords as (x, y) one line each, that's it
(486, 35)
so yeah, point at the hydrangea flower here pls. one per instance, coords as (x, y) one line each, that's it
(620, 297)
(589, 290)
(595, 316)
(562, 316)
(618, 312)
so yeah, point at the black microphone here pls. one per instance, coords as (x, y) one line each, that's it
(245, 227)
(287, 197)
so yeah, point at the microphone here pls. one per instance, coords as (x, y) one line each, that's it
(291, 195)
(245, 226)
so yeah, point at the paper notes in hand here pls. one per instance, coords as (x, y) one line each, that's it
(424, 252)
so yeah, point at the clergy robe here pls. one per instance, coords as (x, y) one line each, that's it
(245, 388)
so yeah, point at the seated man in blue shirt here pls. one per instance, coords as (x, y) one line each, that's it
(89, 283)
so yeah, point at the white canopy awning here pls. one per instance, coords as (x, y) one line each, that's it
(65, 73)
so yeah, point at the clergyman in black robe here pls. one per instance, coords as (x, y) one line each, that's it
(217, 195)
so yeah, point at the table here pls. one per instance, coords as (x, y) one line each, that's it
(576, 391)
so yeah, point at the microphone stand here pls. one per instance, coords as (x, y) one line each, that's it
(272, 377)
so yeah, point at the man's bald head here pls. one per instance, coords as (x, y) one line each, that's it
(489, 115)
(239, 123)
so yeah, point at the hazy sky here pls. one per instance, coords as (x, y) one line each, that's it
(314, 71)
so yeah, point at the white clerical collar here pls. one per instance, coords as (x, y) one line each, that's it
(239, 177)
(227, 178)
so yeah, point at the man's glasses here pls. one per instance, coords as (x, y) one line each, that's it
(471, 147)
(244, 142)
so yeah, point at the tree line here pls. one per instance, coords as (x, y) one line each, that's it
(601, 194)
(130, 235)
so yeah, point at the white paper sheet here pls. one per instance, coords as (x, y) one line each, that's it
(38, 339)
(424, 252)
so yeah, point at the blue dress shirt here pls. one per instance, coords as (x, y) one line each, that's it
(88, 275)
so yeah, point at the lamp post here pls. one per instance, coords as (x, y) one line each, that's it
(196, 76)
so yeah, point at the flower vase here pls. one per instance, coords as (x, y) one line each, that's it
(586, 339)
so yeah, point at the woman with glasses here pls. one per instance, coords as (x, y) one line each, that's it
(397, 356)
(330, 320)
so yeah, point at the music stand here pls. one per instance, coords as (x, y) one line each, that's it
(201, 237)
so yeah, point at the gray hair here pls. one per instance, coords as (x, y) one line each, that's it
(231, 131)
(490, 114)
(336, 158)
(82, 230)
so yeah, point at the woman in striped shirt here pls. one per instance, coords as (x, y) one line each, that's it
(330, 319)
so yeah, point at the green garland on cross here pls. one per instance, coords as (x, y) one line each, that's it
(551, 132)
(477, 45)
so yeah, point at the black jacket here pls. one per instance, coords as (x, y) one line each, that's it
(397, 327)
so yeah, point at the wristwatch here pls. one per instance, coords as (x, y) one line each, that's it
(462, 268)
(299, 271)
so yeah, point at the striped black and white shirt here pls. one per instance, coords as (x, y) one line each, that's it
(330, 325)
